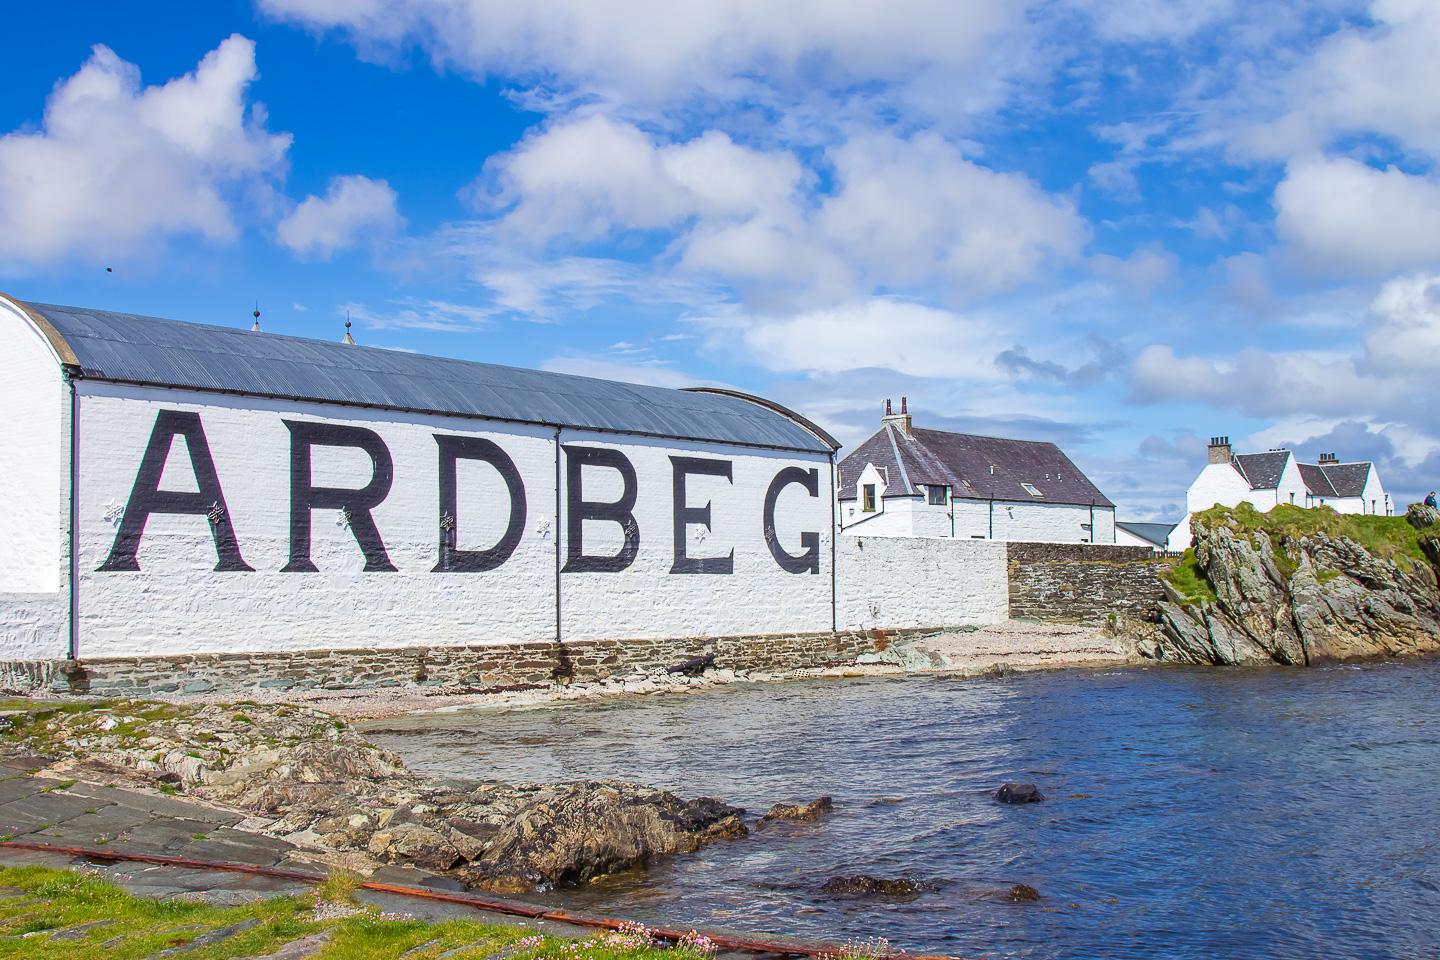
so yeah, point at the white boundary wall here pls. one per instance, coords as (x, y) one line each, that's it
(893, 582)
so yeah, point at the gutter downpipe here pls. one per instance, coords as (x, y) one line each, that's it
(1092, 521)
(834, 548)
(74, 640)
(992, 518)
(558, 631)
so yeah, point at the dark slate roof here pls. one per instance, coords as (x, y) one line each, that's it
(963, 462)
(128, 348)
(1156, 533)
(880, 450)
(1347, 479)
(1316, 481)
(1261, 470)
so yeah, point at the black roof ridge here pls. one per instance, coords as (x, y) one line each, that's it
(983, 436)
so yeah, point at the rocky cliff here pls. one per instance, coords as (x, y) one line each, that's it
(1298, 587)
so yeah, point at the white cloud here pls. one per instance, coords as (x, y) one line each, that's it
(1154, 19)
(1406, 337)
(910, 211)
(1147, 268)
(883, 332)
(897, 211)
(116, 166)
(950, 53)
(584, 178)
(1264, 384)
(1341, 215)
(1378, 78)
(352, 209)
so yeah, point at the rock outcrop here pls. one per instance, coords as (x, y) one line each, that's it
(800, 812)
(1301, 599)
(306, 777)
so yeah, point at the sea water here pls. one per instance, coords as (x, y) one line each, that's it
(1205, 813)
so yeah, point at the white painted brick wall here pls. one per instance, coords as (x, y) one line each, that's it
(647, 600)
(178, 603)
(34, 494)
(894, 582)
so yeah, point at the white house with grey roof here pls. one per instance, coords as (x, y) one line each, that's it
(1266, 480)
(908, 481)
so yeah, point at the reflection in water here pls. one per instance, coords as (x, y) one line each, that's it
(1190, 813)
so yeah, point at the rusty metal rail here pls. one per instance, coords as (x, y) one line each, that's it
(725, 941)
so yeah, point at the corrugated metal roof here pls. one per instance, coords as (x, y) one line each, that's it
(169, 353)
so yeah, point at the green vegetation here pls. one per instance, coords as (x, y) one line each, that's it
(1389, 538)
(129, 928)
(339, 886)
(1189, 582)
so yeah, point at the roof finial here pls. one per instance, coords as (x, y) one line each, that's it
(255, 328)
(348, 339)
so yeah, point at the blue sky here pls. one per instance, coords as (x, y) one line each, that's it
(1122, 225)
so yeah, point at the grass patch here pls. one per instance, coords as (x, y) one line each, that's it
(1189, 582)
(1389, 538)
(339, 886)
(137, 927)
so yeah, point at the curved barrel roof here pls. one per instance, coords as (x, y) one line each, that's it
(128, 348)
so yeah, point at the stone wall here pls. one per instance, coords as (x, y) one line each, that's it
(485, 668)
(1084, 583)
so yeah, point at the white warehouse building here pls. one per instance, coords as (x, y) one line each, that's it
(179, 488)
(906, 481)
(1274, 477)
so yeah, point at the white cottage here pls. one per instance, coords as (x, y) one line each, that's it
(907, 481)
(1266, 480)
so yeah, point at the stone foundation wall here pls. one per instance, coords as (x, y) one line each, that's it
(1084, 583)
(488, 668)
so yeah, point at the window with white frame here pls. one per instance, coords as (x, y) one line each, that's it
(1031, 489)
(937, 495)
(867, 498)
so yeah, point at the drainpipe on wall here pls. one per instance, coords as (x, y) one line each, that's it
(558, 636)
(992, 518)
(74, 645)
(1092, 521)
(835, 522)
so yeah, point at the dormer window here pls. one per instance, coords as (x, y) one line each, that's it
(937, 495)
(1030, 489)
(867, 498)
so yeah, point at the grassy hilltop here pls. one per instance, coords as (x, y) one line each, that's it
(1387, 538)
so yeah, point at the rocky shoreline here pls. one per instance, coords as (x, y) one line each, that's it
(1280, 588)
(306, 777)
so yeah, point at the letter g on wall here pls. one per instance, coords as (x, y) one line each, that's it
(808, 561)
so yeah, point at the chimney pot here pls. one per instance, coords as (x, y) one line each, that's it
(1219, 450)
(904, 406)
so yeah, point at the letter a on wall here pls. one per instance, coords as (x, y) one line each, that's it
(146, 497)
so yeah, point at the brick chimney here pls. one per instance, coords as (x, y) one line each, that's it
(1327, 458)
(900, 420)
(1220, 451)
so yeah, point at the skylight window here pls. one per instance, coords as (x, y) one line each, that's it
(1030, 489)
